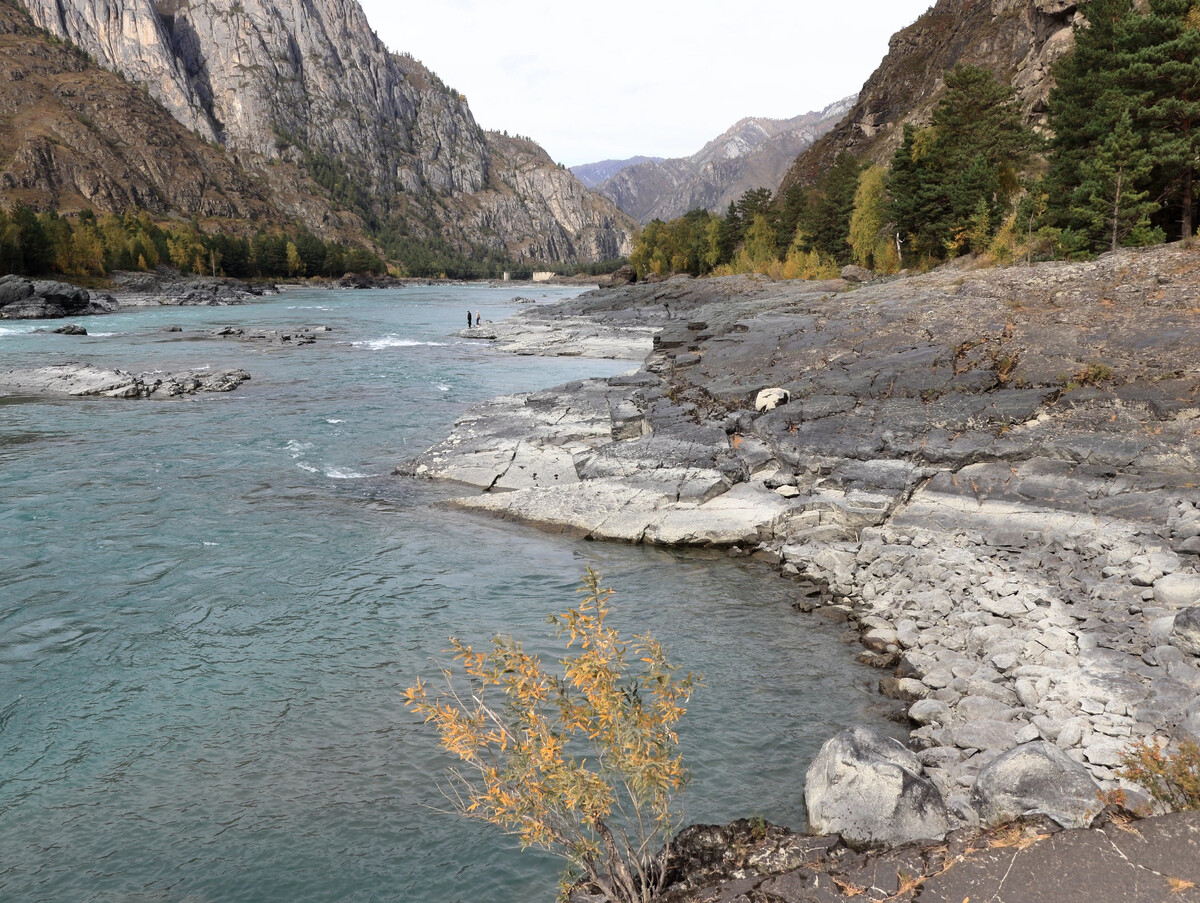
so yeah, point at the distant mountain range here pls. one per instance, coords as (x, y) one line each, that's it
(592, 174)
(754, 153)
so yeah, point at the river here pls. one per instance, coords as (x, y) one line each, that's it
(210, 607)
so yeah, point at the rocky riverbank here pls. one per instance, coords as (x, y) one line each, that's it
(27, 299)
(991, 474)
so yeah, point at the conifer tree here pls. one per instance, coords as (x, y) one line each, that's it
(954, 181)
(825, 223)
(1165, 67)
(729, 235)
(1111, 202)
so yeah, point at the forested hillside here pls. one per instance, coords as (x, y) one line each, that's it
(1114, 165)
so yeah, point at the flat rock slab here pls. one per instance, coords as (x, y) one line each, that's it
(83, 380)
(1146, 862)
(1152, 861)
(611, 509)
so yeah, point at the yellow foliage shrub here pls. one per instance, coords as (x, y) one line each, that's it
(584, 763)
(1171, 778)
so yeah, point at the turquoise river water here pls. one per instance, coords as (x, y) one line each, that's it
(210, 607)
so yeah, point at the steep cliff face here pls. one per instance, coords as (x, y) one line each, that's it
(73, 135)
(541, 211)
(1019, 40)
(305, 81)
(754, 153)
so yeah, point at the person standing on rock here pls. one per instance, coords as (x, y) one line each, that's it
(478, 318)
(468, 319)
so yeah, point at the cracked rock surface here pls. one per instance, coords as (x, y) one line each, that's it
(1150, 861)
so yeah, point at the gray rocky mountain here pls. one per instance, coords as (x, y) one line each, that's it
(309, 82)
(593, 174)
(754, 153)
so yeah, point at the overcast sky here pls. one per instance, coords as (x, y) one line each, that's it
(610, 80)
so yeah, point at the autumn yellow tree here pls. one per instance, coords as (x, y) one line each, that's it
(869, 235)
(583, 762)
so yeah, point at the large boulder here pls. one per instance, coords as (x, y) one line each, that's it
(14, 289)
(1185, 635)
(1036, 779)
(854, 273)
(872, 790)
(61, 294)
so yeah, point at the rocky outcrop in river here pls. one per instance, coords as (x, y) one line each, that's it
(79, 380)
(991, 473)
(26, 299)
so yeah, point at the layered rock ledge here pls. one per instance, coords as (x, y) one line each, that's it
(83, 380)
(992, 473)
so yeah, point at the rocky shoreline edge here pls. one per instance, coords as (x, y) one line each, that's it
(24, 298)
(990, 473)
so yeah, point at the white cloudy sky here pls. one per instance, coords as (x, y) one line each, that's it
(625, 77)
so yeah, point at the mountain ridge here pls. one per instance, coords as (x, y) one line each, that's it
(308, 83)
(1018, 40)
(754, 152)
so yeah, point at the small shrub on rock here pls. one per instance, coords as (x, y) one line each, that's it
(586, 764)
(1171, 778)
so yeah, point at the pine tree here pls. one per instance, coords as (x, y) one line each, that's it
(795, 200)
(1087, 99)
(977, 122)
(729, 235)
(1166, 68)
(958, 176)
(920, 198)
(825, 222)
(1113, 206)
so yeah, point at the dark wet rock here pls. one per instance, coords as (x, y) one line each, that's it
(1155, 860)
(369, 281)
(24, 299)
(1036, 779)
(1152, 861)
(71, 329)
(870, 789)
